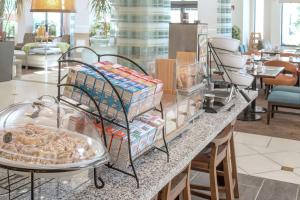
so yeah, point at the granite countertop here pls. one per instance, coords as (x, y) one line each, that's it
(153, 170)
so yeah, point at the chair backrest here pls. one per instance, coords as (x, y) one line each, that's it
(288, 67)
(29, 38)
(221, 144)
(284, 54)
(66, 39)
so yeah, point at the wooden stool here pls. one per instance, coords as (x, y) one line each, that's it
(219, 152)
(179, 185)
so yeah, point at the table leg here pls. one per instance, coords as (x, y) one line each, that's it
(249, 113)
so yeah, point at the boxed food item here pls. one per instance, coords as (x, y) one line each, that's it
(142, 136)
(138, 92)
(154, 121)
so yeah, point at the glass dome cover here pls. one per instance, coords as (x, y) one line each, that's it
(47, 135)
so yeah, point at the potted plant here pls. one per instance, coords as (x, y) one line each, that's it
(236, 32)
(100, 30)
(7, 7)
(2, 9)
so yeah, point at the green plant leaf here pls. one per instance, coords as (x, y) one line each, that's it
(100, 7)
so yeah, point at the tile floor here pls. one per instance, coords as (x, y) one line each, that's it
(257, 188)
(268, 157)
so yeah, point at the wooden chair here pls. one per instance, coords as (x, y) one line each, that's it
(220, 152)
(254, 40)
(288, 78)
(285, 54)
(180, 185)
(28, 38)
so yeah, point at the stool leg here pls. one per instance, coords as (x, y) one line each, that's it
(165, 193)
(187, 189)
(214, 184)
(234, 169)
(228, 177)
(269, 113)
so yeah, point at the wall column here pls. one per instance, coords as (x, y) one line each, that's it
(142, 29)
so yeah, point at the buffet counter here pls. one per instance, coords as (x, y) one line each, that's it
(153, 170)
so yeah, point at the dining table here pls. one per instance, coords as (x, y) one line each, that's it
(251, 113)
(274, 52)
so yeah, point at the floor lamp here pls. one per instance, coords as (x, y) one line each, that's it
(59, 6)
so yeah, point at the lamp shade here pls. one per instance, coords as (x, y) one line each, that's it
(53, 6)
(289, 1)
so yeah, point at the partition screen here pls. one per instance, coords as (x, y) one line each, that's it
(290, 29)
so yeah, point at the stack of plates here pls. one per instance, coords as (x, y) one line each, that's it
(226, 50)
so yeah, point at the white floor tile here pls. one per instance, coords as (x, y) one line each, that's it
(254, 164)
(18, 91)
(288, 159)
(284, 176)
(243, 150)
(252, 139)
(284, 144)
(297, 171)
(241, 171)
(264, 150)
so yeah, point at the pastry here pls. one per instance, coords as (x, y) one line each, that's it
(39, 145)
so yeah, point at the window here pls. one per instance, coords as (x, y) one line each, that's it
(185, 6)
(290, 29)
(54, 22)
(9, 18)
(259, 17)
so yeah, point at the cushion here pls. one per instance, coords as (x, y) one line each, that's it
(287, 89)
(289, 98)
(42, 51)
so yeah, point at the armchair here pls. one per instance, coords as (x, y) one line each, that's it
(284, 79)
(28, 38)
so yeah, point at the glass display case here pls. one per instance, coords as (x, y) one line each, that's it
(189, 77)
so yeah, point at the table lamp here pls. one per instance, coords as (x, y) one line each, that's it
(62, 6)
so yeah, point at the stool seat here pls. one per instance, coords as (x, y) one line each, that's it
(288, 98)
(202, 160)
(287, 89)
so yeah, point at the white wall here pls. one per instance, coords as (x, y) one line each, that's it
(208, 14)
(241, 17)
(273, 22)
(82, 16)
(247, 18)
(25, 22)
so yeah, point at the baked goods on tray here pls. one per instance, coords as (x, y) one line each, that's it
(36, 144)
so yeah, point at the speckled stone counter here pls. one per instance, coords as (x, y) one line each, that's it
(153, 170)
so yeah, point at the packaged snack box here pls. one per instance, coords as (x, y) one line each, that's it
(136, 90)
(141, 136)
